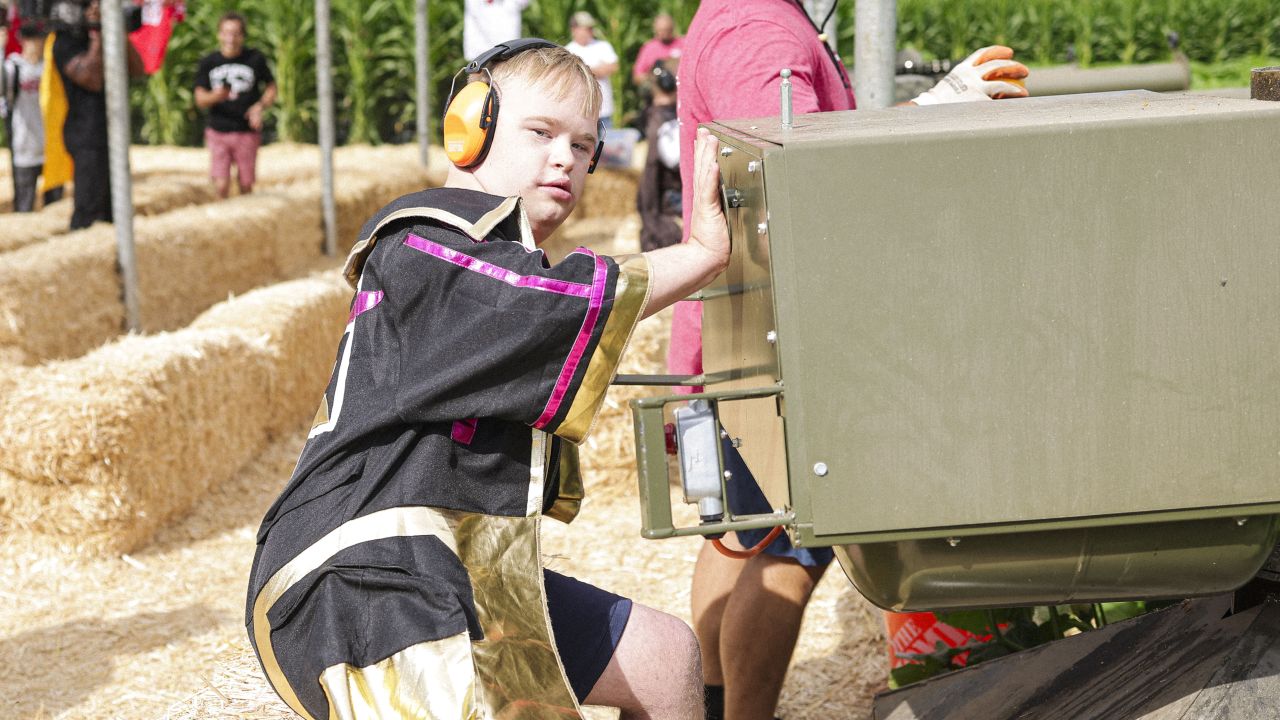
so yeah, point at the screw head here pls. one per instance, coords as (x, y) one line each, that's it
(820, 469)
(771, 337)
(728, 475)
(762, 228)
(726, 151)
(753, 166)
(1241, 521)
(953, 541)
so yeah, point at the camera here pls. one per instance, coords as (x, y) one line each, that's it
(69, 15)
(663, 78)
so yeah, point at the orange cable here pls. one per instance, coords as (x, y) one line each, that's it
(744, 554)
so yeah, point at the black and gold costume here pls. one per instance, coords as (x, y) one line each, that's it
(398, 574)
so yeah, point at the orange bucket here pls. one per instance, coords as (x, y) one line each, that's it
(917, 633)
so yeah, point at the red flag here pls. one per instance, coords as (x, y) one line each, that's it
(152, 39)
(13, 45)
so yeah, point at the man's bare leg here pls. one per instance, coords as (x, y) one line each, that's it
(655, 672)
(714, 576)
(759, 630)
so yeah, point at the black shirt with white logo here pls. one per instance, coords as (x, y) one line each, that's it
(246, 74)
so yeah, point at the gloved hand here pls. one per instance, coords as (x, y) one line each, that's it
(987, 74)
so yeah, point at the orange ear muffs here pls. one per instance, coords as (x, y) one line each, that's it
(468, 124)
(470, 115)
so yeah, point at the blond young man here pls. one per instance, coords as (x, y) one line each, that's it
(398, 574)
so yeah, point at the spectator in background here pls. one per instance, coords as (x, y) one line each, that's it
(598, 55)
(659, 191)
(21, 82)
(77, 55)
(236, 86)
(486, 23)
(664, 44)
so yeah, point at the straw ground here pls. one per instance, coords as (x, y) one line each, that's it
(160, 632)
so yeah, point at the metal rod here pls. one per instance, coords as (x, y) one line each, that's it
(324, 88)
(786, 98)
(875, 49)
(1156, 77)
(1264, 84)
(423, 70)
(116, 79)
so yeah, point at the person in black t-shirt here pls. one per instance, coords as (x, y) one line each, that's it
(235, 85)
(78, 58)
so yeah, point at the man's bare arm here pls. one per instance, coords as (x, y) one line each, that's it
(206, 98)
(85, 69)
(136, 67)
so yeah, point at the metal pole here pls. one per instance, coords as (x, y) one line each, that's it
(1264, 83)
(116, 79)
(423, 70)
(875, 48)
(324, 88)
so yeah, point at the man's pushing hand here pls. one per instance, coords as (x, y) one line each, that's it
(707, 226)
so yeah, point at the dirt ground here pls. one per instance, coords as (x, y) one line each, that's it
(155, 634)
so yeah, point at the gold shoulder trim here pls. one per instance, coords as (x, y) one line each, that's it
(630, 297)
(476, 231)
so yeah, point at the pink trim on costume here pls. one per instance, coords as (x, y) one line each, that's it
(462, 260)
(580, 344)
(464, 431)
(365, 302)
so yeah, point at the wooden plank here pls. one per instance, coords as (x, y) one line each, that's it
(1153, 667)
(1247, 684)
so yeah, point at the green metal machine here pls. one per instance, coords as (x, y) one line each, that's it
(1057, 380)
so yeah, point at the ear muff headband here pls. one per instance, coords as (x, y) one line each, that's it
(472, 113)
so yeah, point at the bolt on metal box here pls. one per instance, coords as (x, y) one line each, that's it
(1006, 353)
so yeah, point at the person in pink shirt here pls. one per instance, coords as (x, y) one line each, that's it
(664, 44)
(747, 613)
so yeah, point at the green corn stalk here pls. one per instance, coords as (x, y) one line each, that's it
(367, 37)
(286, 29)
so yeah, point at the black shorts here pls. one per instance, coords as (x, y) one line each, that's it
(588, 624)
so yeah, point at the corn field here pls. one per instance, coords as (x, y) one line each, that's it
(374, 65)
(1094, 31)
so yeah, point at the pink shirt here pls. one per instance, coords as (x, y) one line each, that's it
(732, 56)
(653, 51)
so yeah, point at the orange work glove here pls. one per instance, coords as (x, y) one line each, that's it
(988, 74)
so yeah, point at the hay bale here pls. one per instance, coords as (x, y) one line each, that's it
(61, 298)
(191, 258)
(22, 229)
(103, 450)
(610, 193)
(358, 201)
(64, 294)
(166, 178)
